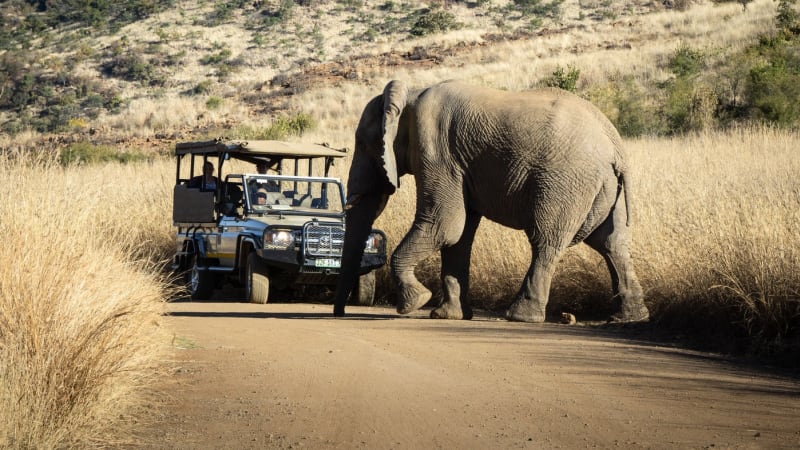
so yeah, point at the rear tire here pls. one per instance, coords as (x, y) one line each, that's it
(364, 291)
(201, 282)
(257, 280)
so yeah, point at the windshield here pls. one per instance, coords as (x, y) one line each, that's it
(267, 193)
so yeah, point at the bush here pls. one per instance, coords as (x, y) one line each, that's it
(102, 13)
(213, 102)
(551, 9)
(281, 15)
(217, 58)
(87, 153)
(434, 21)
(132, 67)
(623, 102)
(223, 12)
(203, 87)
(566, 79)
(279, 129)
(787, 21)
(686, 62)
(774, 93)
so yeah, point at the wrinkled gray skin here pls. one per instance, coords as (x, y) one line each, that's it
(545, 161)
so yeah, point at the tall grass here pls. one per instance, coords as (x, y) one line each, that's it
(81, 294)
(717, 231)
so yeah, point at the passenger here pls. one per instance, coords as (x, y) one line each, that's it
(207, 181)
(262, 167)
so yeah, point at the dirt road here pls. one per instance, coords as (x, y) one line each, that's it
(291, 376)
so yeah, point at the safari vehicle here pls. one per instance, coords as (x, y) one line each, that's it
(264, 231)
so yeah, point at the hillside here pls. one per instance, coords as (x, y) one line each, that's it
(195, 68)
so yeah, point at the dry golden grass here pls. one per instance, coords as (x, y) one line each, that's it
(717, 227)
(81, 294)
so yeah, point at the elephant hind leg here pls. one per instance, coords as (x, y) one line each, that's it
(613, 241)
(531, 302)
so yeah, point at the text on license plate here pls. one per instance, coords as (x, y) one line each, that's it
(325, 262)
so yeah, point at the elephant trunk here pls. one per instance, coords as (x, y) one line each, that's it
(358, 225)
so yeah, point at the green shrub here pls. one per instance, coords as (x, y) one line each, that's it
(623, 102)
(550, 9)
(774, 93)
(281, 15)
(787, 20)
(23, 92)
(279, 129)
(686, 61)
(87, 153)
(434, 21)
(562, 78)
(216, 58)
(203, 87)
(132, 67)
(101, 13)
(213, 102)
(223, 12)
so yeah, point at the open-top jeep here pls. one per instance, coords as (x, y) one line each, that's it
(265, 230)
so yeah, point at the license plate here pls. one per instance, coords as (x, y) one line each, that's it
(328, 263)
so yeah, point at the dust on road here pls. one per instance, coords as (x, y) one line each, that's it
(292, 376)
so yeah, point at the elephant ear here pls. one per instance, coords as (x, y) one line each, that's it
(394, 101)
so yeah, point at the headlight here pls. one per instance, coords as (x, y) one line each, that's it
(278, 239)
(374, 243)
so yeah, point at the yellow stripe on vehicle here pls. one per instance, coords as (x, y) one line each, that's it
(220, 255)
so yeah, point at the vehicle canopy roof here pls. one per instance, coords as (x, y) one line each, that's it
(257, 151)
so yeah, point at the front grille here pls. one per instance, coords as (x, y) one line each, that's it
(323, 239)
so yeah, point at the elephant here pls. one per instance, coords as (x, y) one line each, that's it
(544, 161)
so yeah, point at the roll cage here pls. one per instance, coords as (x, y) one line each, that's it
(199, 204)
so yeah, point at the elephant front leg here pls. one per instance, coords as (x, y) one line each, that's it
(455, 275)
(411, 294)
(531, 301)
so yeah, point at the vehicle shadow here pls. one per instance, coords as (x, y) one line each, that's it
(281, 315)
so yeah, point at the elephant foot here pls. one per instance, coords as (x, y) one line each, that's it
(452, 312)
(412, 298)
(637, 313)
(525, 311)
(338, 311)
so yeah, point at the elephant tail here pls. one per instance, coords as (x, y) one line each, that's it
(624, 186)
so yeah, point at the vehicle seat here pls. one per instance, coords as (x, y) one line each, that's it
(276, 198)
(304, 201)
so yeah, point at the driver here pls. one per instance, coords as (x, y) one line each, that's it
(261, 197)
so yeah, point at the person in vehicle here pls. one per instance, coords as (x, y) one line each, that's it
(262, 167)
(205, 182)
(261, 197)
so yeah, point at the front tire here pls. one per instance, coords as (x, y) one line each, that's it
(201, 282)
(364, 291)
(257, 280)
